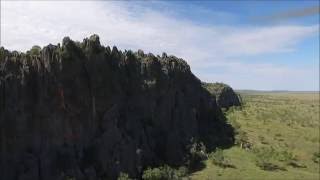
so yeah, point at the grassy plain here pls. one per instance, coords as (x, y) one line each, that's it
(280, 131)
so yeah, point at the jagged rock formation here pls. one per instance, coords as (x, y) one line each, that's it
(224, 94)
(83, 110)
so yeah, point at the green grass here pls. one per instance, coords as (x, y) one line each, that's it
(283, 131)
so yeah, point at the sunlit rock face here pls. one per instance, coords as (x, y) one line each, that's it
(224, 94)
(87, 111)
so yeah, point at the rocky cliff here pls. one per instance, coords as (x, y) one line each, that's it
(224, 94)
(87, 111)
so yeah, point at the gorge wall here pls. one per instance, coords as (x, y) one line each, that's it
(87, 111)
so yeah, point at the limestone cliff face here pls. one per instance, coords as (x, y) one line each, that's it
(224, 94)
(83, 110)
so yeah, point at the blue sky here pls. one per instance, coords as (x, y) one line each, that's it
(247, 44)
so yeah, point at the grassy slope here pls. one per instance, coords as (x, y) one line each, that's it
(288, 122)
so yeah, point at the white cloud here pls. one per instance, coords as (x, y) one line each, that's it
(24, 24)
(267, 39)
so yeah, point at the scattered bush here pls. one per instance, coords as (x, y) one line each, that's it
(266, 156)
(295, 164)
(262, 140)
(268, 166)
(316, 157)
(160, 173)
(241, 138)
(285, 156)
(123, 176)
(277, 135)
(182, 171)
(164, 173)
(217, 157)
(196, 155)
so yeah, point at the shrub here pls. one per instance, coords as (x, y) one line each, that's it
(266, 155)
(295, 164)
(285, 156)
(217, 157)
(182, 171)
(164, 173)
(123, 176)
(196, 155)
(262, 140)
(268, 166)
(316, 157)
(154, 173)
(241, 138)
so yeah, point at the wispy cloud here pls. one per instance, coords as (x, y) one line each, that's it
(24, 24)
